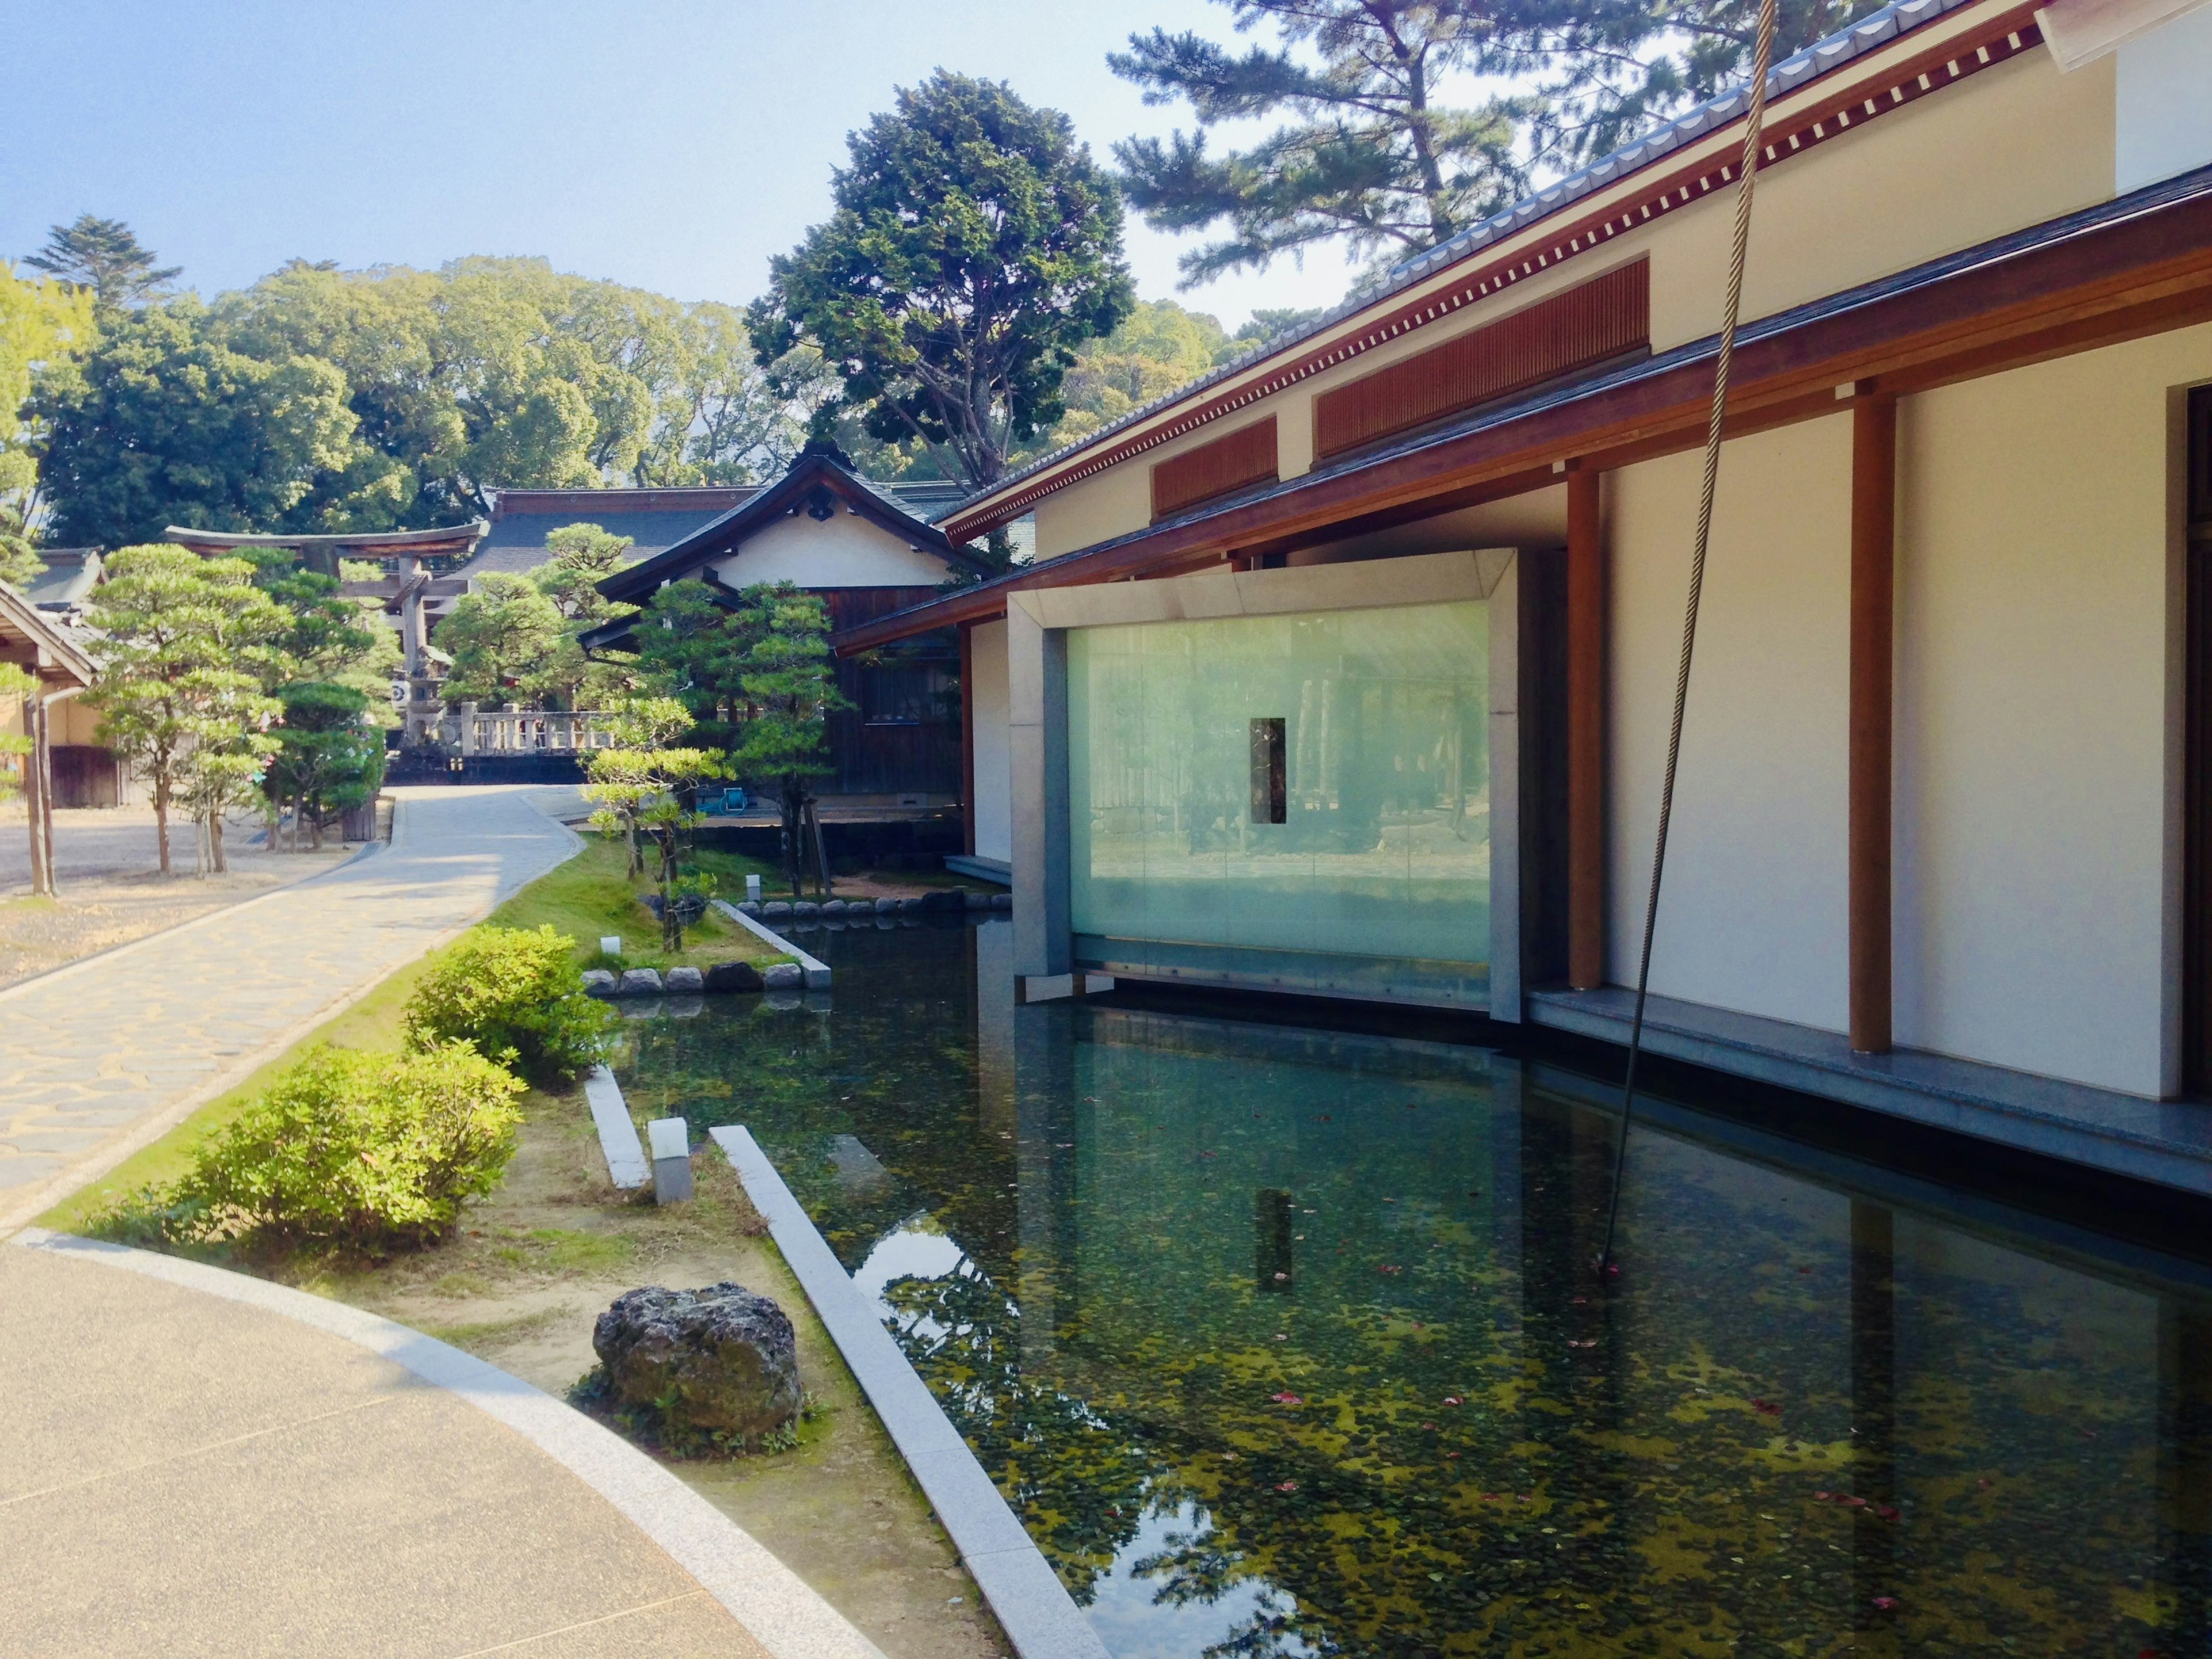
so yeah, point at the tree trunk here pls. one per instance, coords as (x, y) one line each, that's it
(214, 841)
(672, 929)
(793, 805)
(162, 817)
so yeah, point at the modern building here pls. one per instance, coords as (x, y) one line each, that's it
(834, 534)
(1346, 669)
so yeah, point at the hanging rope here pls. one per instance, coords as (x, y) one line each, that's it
(1747, 173)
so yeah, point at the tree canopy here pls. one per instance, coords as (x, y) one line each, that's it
(974, 245)
(41, 324)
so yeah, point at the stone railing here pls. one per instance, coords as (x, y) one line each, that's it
(474, 731)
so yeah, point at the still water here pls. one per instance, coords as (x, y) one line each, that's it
(1287, 1342)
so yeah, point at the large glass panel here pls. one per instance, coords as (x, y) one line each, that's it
(1314, 784)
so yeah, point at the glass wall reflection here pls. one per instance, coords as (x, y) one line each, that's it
(1314, 786)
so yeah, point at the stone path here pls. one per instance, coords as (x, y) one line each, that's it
(101, 1057)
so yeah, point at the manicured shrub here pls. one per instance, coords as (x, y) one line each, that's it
(513, 992)
(366, 1151)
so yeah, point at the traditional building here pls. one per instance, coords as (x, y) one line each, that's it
(828, 531)
(59, 667)
(1347, 669)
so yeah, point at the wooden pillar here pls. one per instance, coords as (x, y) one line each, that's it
(39, 775)
(1585, 732)
(968, 738)
(1874, 611)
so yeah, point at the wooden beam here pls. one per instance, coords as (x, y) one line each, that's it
(1873, 625)
(1585, 732)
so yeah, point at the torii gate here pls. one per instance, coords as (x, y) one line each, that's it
(405, 592)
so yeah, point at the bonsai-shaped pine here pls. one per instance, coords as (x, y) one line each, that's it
(790, 690)
(638, 787)
(186, 647)
(329, 757)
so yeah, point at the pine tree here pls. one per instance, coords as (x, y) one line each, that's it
(1370, 152)
(187, 645)
(103, 257)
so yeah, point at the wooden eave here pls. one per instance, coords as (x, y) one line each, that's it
(1915, 63)
(719, 538)
(30, 641)
(2137, 265)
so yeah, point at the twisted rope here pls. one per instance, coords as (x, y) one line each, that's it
(1747, 175)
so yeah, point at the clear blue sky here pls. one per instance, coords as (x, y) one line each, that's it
(673, 144)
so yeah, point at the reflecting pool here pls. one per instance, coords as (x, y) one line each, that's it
(1285, 1341)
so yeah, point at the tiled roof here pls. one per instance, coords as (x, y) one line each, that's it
(1834, 50)
(70, 574)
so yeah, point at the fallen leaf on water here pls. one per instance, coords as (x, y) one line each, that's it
(1986, 1483)
(1451, 1400)
(1286, 1400)
(1286, 1486)
(1767, 1408)
(1886, 1603)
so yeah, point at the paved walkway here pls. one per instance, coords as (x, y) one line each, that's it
(100, 1057)
(193, 1463)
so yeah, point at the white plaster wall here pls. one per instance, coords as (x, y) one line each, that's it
(2163, 103)
(1753, 916)
(845, 551)
(2038, 730)
(994, 776)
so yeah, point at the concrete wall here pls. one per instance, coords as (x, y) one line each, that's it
(995, 829)
(2039, 727)
(2015, 145)
(1753, 913)
(845, 551)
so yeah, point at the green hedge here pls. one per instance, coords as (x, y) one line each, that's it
(516, 993)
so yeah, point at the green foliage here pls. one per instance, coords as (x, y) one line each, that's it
(41, 324)
(1369, 153)
(504, 639)
(163, 423)
(511, 992)
(356, 1150)
(16, 684)
(638, 787)
(329, 757)
(188, 644)
(102, 259)
(974, 245)
(1158, 346)
(584, 556)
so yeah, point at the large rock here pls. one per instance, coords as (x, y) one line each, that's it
(944, 898)
(785, 977)
(776, 908)
(724, 977)
(720, 1358)
(639, 982)
(886, 905)
(677, 979)
(599, 983)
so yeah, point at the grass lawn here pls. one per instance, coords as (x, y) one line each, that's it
(520, 1280)
(591, 896)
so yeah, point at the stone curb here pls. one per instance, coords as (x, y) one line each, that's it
(781, 1612)
(817, 973)
(625, 1153)
(44, 1196)
(1033, 1606)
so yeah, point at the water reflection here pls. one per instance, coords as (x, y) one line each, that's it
(1286, 1342)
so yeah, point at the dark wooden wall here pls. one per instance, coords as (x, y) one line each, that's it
(892, 741)
(1246, 456)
